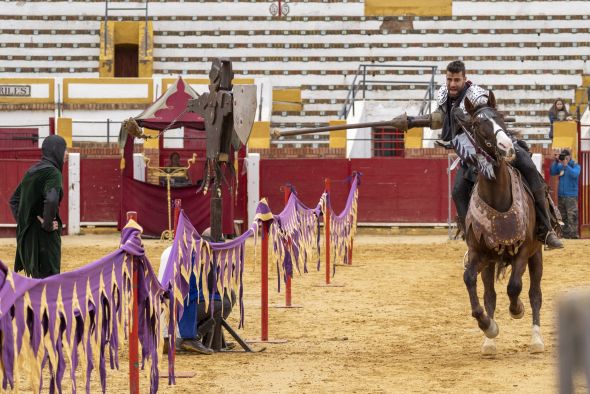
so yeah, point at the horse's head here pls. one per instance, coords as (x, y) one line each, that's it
(489, 129)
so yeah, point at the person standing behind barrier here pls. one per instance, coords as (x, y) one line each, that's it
(567, 193)
(35, 207)
(557, 112)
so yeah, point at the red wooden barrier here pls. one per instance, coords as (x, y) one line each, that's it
(394, 190)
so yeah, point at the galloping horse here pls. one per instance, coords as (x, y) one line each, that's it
(500, 229)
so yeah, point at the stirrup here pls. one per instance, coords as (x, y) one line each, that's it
(545, 246)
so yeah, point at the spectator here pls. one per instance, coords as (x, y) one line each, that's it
(175, 159)
(569, 172)
(35, 207)
(558, 112)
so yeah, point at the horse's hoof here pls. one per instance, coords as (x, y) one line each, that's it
(489, 347)
(493, 330)
(518, 315)
(537, 345)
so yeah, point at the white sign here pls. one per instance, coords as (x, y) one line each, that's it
(15, 90)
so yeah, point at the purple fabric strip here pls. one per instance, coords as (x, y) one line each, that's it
(84, 309)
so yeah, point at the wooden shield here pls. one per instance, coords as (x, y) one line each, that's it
(244, 111)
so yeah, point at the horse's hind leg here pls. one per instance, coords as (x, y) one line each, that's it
(489, 299)
(536, 299)
(487, 325)
(515, 287)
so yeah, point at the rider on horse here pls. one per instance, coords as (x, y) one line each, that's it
(451, 103)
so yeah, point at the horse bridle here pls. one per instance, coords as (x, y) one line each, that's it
(488, 113)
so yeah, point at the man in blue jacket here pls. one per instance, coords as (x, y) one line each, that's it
(569, 172)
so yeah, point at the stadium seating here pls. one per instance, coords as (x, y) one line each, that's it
(528, 57)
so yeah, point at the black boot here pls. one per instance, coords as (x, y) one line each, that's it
(544, 230)
(192, 346)
(552, 241)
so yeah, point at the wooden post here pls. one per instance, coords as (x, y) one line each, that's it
(264, 283)
(288, 284)
(51, 125)
(134, 329)
(327, 230)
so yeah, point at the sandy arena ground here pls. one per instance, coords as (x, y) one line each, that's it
(401, 323)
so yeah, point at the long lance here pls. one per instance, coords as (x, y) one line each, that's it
(402, 122)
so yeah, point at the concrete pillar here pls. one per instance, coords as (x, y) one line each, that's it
(253, 189)
(73, 193)
(338, 137)
(64, 129)
(260, 136)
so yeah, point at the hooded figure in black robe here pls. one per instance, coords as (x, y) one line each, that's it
(35, 207)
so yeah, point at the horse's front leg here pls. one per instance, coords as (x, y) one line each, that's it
(487, 325)
(489, 300)
(515, 286)
(536, 299)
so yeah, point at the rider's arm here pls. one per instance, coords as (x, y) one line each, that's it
(441, 114)
(14, 202)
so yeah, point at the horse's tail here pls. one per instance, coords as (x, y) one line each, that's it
(501, 266)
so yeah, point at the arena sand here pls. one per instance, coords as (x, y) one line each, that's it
(401, 323)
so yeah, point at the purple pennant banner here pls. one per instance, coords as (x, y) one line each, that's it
(343, 225)
(75, 319)
(80, 315)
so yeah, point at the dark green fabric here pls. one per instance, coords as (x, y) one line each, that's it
(38, 251)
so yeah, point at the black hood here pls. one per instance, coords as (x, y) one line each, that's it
(53, 150)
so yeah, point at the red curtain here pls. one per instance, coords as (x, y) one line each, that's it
(151, 202)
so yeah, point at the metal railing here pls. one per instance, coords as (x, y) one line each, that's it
(365, 77)
(110, 137)
(387, 143)
(109, 129)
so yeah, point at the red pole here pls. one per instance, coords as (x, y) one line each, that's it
(352, 176)
(51, 125)
(264, 283)
(177, 207)
(134, 334)
(288, 284)
(580, 185)
(327, 228)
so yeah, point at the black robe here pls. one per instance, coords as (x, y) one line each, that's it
(38, 245)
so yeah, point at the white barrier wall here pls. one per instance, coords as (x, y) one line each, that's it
(253, 189)
(358, 141)
(73, 193)
(138, 167)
